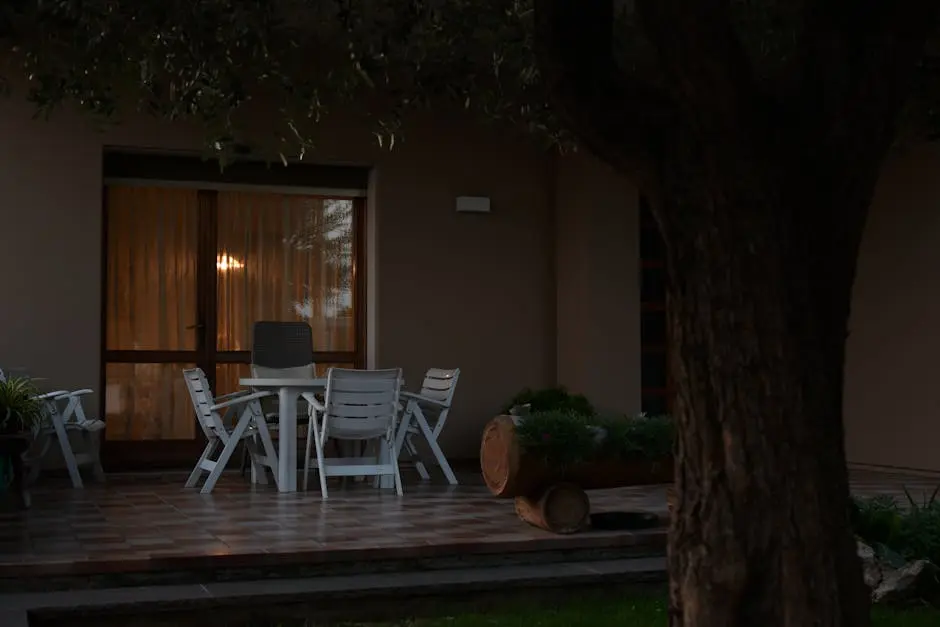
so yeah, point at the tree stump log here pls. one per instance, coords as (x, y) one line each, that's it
(671, 499)
(509, 472)
(561, 508)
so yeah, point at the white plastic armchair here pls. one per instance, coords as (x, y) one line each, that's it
(359, 405)
(432, 403)
(64, 413)
(210, 413)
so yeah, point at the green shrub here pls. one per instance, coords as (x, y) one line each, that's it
(911, 532)
(566, 437)
(553, 399)
(637, 437)
(559, 437)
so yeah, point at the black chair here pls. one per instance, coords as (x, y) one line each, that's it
(280, 350)
(281, 346)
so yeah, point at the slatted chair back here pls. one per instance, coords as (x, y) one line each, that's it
(440, 384)
(210, 421)
(361, 404)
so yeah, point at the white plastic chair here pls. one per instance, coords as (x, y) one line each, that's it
(64, 413)
(250, 420)
(433, 401)
(359, 405)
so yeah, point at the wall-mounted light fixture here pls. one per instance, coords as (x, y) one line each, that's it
(473, 204)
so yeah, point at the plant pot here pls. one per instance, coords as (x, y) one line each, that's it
(509, 472)
(12, 447)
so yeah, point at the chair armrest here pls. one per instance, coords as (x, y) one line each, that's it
(226, 397)
(311, 399)
(241, 400)
(76, 393)
(422, 399)
(51, 395)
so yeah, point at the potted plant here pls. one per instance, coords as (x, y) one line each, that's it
(562, 440)
(20, 409)
(21, 414)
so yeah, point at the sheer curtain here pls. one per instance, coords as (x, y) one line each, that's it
(285, 257)
(152, 238)
(152, 235)
(279, 257)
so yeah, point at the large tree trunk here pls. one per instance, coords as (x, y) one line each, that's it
(761, 178)
(758, 308)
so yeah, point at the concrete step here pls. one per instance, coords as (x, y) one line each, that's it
(204, 569)
(373, 596)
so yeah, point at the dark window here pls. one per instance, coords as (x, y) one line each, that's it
(656, 385)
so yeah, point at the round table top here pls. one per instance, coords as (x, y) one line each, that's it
(282, 383)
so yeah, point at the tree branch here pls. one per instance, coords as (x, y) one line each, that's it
(616, 115)
(857, 65)
(854, 73)
(707, 65)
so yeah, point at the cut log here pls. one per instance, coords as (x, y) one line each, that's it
(671, 499)
(509, 472)
(561, 508)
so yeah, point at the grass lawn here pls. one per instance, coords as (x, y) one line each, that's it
(637, 612)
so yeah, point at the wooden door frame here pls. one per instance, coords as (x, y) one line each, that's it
(668, 392)
(179, 454)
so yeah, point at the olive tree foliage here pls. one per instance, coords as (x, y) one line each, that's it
(203, 60)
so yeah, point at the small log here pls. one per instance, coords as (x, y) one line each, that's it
(561, 508)
(509, 472)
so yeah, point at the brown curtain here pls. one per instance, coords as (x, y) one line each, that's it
(152, 237)
(279, 257)
(151, 306)
(285, 257)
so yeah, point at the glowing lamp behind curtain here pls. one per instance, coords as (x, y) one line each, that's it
(225, 263)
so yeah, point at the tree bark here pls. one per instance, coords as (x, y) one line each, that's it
(758, 336)
(760, 187)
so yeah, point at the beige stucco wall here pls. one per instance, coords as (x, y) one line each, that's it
(892, 390)
(598, 328)
(542, 290)
(474, 291)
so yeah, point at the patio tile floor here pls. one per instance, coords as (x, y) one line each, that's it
(147, 523)
(150, 524)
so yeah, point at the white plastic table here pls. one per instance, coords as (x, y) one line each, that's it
(288, 391)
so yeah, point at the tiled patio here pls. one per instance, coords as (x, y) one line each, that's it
(137, 524)
(149, 524)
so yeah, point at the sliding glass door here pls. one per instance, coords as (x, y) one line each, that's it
(189, 271)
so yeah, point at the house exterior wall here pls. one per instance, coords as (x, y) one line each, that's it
(598, 290)
(448, 290)
(543, 290)
(892, 388)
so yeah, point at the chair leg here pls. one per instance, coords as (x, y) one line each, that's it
(227, 451)
(207, 453)
(244, 466)
(267, 447)
(321, 465)
(258, 473)
(93, 444)
(311, 434)
(35, 463)
(419, 465)
(394, 461)
(435, 448)
(70, 463)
